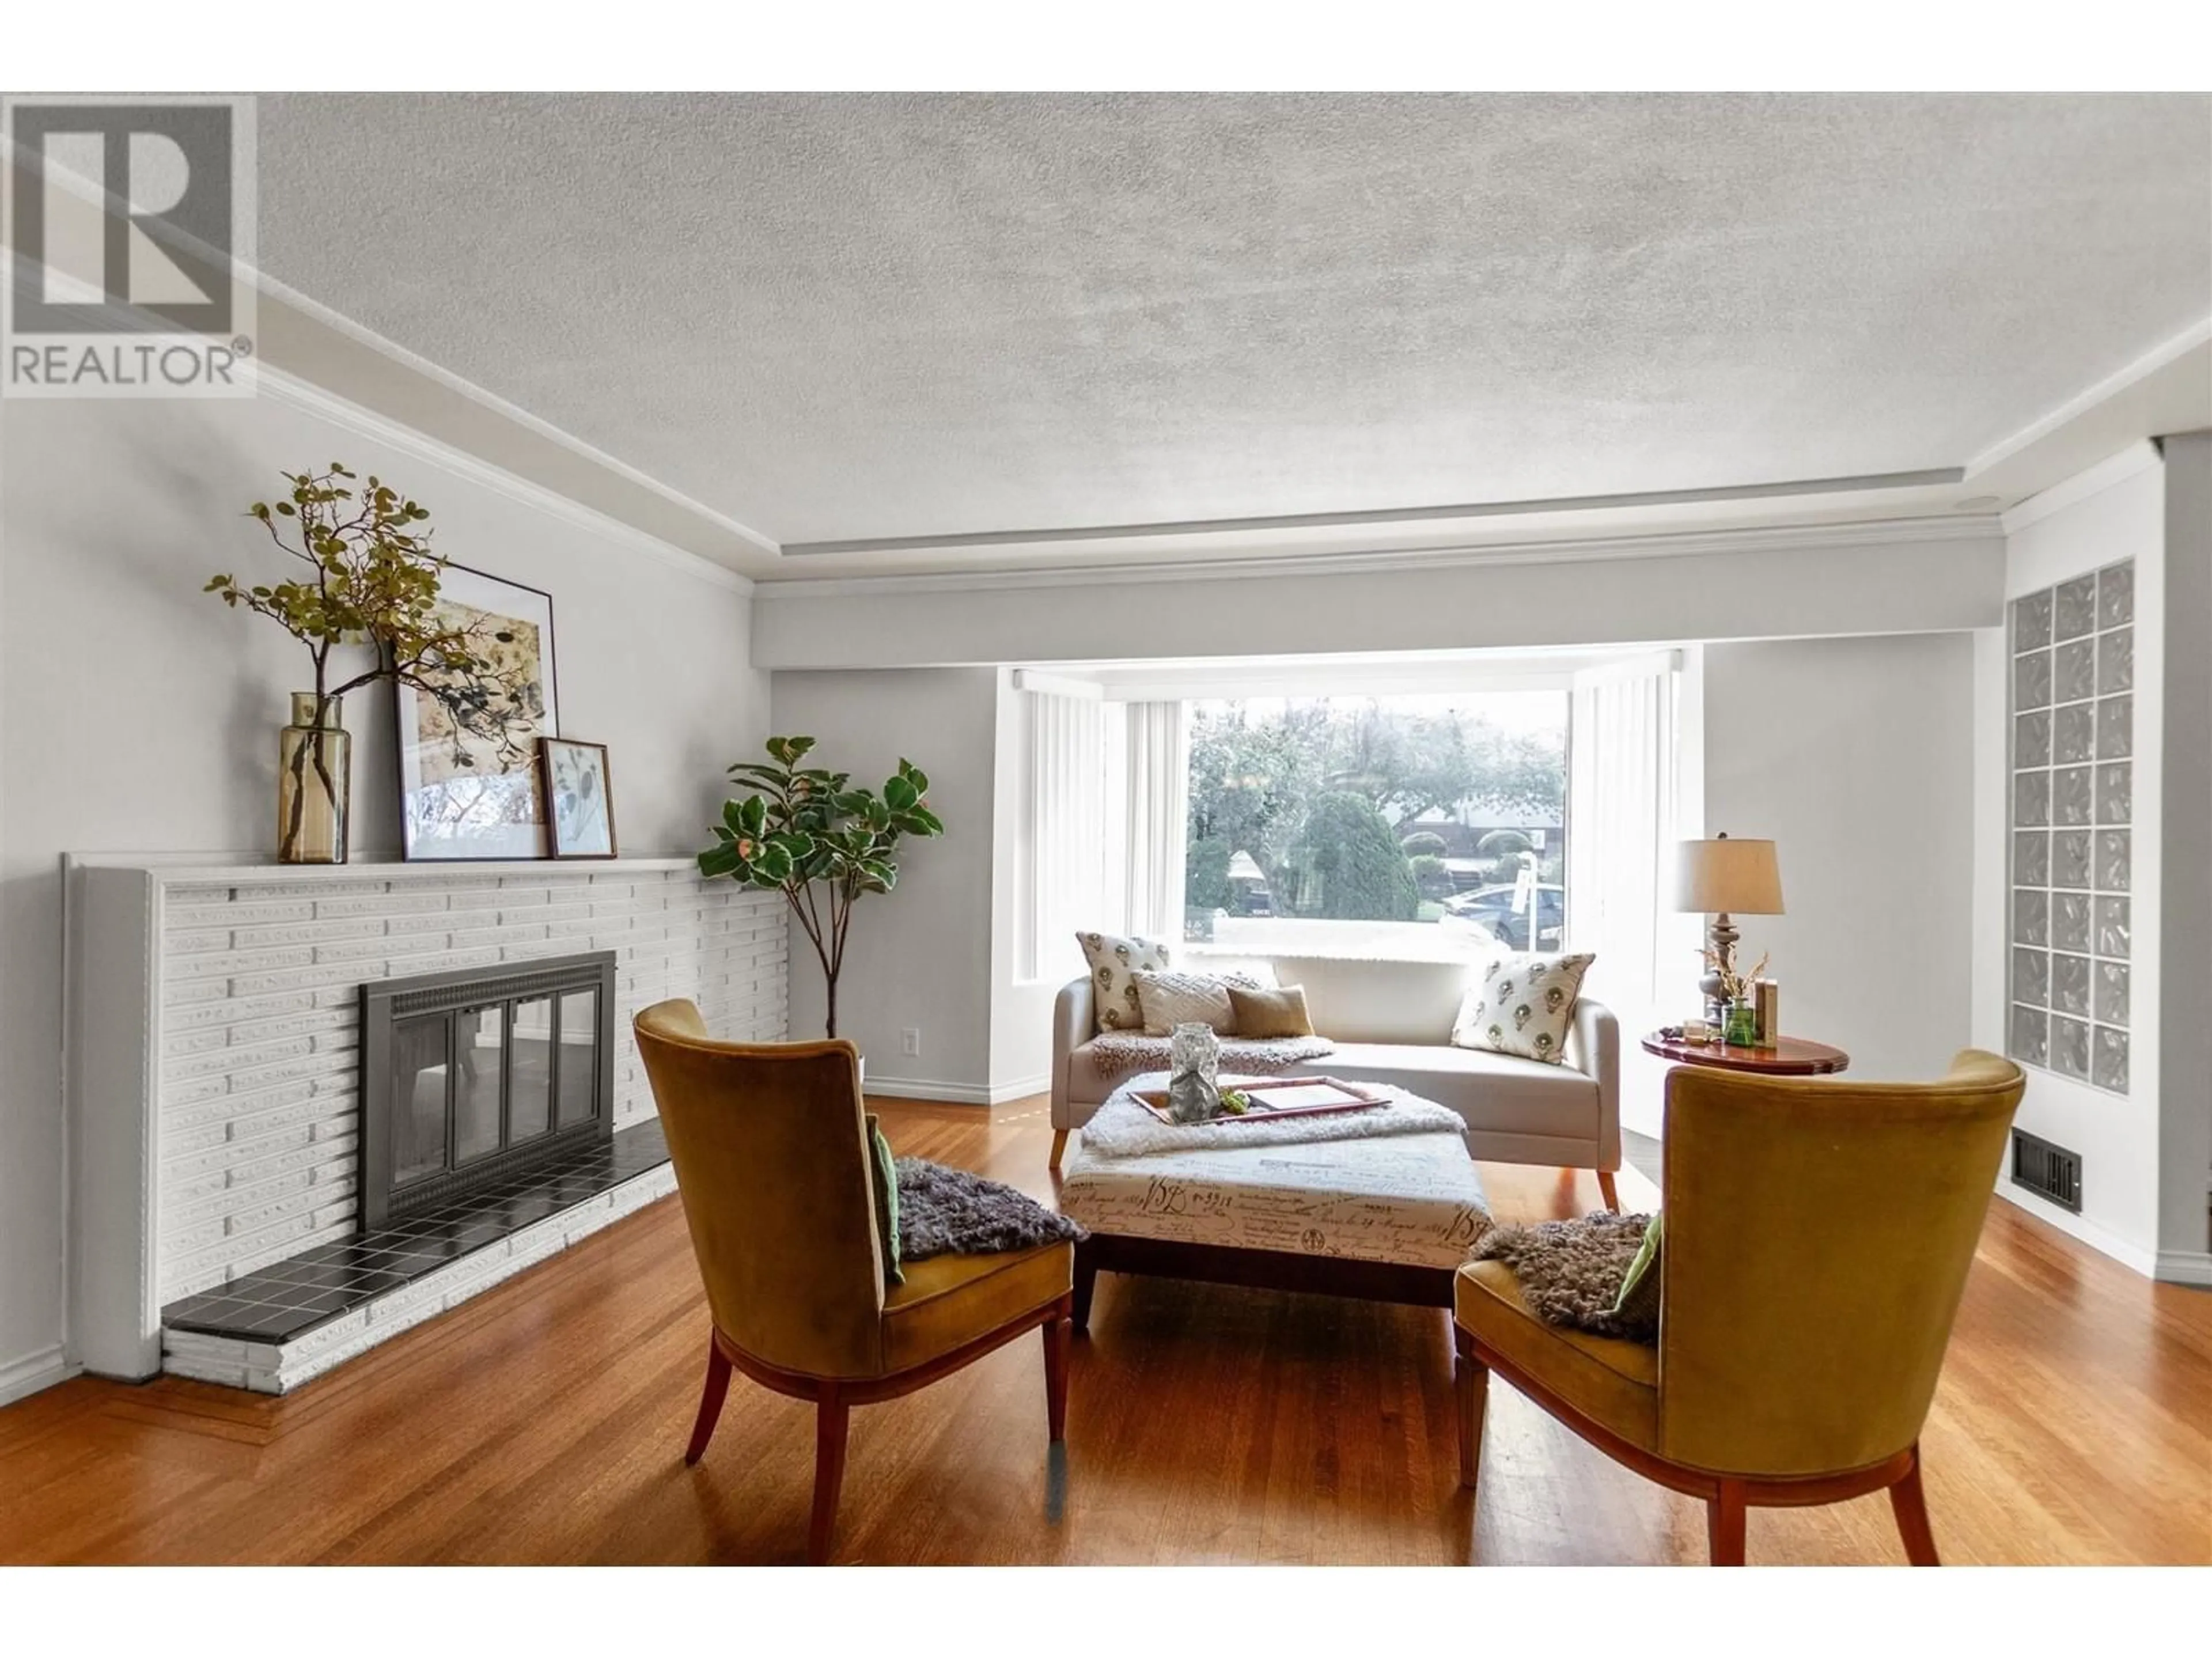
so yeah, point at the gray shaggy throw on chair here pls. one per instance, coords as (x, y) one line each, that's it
(953, 1213)
(1571, 1271)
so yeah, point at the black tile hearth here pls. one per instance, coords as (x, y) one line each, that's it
(287, 1299)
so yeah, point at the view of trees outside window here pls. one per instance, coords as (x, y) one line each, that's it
(1370, 814)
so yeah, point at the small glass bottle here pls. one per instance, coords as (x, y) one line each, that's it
(1742, 1031)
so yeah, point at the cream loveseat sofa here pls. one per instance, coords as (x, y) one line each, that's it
(1391, 1023)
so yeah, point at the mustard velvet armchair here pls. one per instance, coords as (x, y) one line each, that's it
(772, 1159)
(1818, 1237)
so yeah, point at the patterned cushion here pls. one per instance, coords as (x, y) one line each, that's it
(1523, 1006)
(1114, 962)
(1169, 999)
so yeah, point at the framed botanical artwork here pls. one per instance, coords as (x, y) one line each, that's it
(468, 745)
(579, 802)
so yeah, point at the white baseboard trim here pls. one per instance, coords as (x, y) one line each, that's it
(41, 1369)
(2129, 1255)
(2186, 1267)
(928, 1088)
(957, 1094)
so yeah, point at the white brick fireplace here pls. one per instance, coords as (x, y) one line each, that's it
(213, 1043)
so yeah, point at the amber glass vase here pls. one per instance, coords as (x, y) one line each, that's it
(314, 783)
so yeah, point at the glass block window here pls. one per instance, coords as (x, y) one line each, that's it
(2072, 832)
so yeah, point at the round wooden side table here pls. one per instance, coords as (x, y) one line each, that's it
(1786, 1056)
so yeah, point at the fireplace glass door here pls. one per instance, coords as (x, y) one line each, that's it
(475, 1074)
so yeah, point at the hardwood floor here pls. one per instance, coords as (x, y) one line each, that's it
(546, 1422)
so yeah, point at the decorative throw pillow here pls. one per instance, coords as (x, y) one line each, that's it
(1114, 962)
(1170, 1000)
(1523, 1006)
(882, 1187)
(1278, 1013)
(1639, 1303)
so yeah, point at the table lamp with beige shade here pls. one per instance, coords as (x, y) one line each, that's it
(1724, 878)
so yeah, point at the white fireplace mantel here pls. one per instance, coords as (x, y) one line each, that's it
(210, 1029)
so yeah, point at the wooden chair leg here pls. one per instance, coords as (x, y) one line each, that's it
(1909, 1503)
(1471, 1387)
(831, 1415)
(1611, 1194)
(710, 1403)
(1059, 1145)
(1057, 1333)
(1086, 1281)
(1724, 1524)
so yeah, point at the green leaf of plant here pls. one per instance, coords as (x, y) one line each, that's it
(753, 816)
(921, 822)
(721, 860)
(900, 794)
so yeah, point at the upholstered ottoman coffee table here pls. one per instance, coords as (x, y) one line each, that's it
(1382, 1205)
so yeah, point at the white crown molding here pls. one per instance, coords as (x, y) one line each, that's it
(310, 398)
(1381, 518)
(1959, 528)
(2138, 457)
(2190, 339)
(415, 363)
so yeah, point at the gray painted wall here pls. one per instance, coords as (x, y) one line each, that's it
(918, 956)
(138, 714)
(1856, 757)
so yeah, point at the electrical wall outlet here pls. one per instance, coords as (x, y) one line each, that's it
(910, 1041)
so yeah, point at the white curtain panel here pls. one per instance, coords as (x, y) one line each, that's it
(1155, 816)
(1065, 831)
(1624, 789)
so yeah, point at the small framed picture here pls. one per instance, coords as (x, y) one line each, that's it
(579, 802)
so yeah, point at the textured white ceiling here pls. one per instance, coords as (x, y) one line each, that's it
(845, 316)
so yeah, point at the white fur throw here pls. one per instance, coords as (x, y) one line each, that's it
(1113, 1054)
(1122, 1128)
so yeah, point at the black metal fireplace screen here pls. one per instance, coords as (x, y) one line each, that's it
(469, 1076)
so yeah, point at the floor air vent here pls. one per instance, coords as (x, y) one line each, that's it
(2046, 1170)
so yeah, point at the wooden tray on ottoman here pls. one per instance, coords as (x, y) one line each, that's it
(1299, 1097)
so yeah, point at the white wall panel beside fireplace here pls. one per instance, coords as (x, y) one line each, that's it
(214, 1041)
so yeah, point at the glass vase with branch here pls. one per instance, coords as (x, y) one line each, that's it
(371, 581)
(809, 835)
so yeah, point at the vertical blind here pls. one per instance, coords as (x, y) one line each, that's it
(1105, 802)
(1065, 831)
(1156, 813)
(1624, 799)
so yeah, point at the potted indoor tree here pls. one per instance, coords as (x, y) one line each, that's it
(807, 834)
(371, 581)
